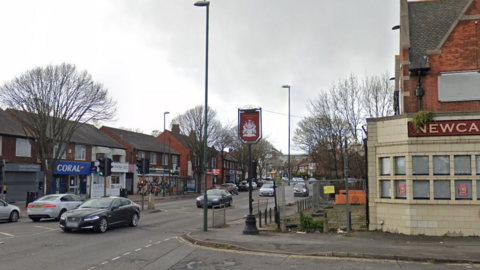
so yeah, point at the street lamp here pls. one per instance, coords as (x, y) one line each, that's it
(289, 168)
(163, 157)
(205, 209)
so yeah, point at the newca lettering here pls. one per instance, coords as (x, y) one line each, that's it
(450, 127)
(69, 168)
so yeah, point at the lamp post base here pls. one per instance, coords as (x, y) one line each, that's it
(250, 225)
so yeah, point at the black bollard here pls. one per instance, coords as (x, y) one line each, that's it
(259, 218)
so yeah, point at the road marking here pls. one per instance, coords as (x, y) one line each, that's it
(157, 242)
(138, 249)
(7, 234)
(166, 239)
(147, 246)
(104, 262)
(116, 258)
(43, 227)
(184, 212)
(125, 254)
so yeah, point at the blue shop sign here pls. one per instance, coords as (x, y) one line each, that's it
(68, 167)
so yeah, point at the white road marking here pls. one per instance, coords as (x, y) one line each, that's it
(104, 262)
(126, 254)
(43, 227)
(7, 234)
(157, 242)
(147, 246)
(138, 249)
(184, 212)
(116, 258)
(166, 239)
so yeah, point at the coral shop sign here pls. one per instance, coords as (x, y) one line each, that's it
(250, 125)
(446, 128)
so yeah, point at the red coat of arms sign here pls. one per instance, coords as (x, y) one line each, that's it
(250, 125)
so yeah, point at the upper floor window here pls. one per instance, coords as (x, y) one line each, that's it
(462, 165)
(399, 165)
(141, 154)
(116, 158)
(165, 159)
(420, 165)
(24, 149)
(441, 165)
(0, 145)
(175, 160)
(385, 166)
(80, 152)
(63, 152)
(153, 158)
(214, 163)
(478, 159)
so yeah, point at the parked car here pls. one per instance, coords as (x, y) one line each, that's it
(242, 186)
(259, 182)
(312, 180)
(9, 212)
(100, 214)
(215, 197)
(300, 190)
(230, 187)
(254, 185)
(266, 190)
(52, 206)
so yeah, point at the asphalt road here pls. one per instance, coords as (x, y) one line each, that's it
(155, 244)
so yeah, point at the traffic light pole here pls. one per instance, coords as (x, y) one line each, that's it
(4, 168)
(143, 177)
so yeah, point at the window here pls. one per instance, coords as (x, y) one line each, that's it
(385, 166)
(400, 189)
(386, 188)
(214, 163)
(175, 160)
(80, 152)
(141, 154)
(441, 190)
(478, 189)
(421, 189)
(462, 165)
(420, 165)
(441, 165)
(63, 154)
(399, 165)
(24, 149)
(165, 159)
(0, 145)
(115, 179)
(153, 158)
(477, 157)
(463, 190)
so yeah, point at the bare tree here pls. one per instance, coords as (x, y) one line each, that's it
(225, 140)
(51, 103)
(192, 124)
(377, 95)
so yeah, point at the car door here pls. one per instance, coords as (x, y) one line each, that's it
(226, 197)
(127, 210)
(3, 210)
(68, 202)
(116, 214)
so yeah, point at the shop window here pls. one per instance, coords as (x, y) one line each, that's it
(441, 165)
(477, 161)
(23, 148)
(463, 189)
(420, 165)
(80, 152)
(421, 189)
(153, 158)
(462, 165)
(385, 166)
(441, 190)
(386, 189)
(400, 189)
(115, 179)
(399, 165)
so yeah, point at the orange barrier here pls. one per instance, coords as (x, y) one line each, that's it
(354, 197)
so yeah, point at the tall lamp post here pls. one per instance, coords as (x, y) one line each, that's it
(205, 199)
(289, 168)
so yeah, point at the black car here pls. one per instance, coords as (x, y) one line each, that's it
(216, 197)
(243, 186)
(230, 187)
(101, 213)
(300, 189)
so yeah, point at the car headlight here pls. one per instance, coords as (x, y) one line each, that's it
(199, 199)
(91, 218)
(216, 199)
(63, 216)
(304, 190)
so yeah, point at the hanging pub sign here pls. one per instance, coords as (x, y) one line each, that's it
(250, 125)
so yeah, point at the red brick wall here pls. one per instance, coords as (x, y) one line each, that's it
(177, 146)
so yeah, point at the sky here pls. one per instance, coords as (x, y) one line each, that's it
(150, 54)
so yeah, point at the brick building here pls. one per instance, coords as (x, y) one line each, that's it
(427, 181)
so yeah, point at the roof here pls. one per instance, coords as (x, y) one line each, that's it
(140, 141)
(10, 126)
(430, 23)
(90, 135)
(180, 138)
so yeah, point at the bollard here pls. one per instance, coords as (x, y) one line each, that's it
(325, 223)
(259, 218)
(270, 215)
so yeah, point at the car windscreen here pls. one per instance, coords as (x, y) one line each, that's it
(223, 186)
(48, 198)
(214, 192)
(267, 186)
(97, 203)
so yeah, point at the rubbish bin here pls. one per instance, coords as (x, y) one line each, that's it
(31, 196)
(123, 192)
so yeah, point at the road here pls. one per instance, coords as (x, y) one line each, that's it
(155, 244)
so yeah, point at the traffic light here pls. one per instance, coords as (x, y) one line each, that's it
(140, 163)
(109, 167)
(101, 166)
(147, 166)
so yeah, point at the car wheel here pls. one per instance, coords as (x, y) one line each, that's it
(61, 213)
(198, 206)
(102, 225)
(66, 229)
(35, 219)
(134, 220)
(237, 192)
(13, 216)
(230, 202)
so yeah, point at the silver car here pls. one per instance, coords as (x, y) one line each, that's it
(52, 206)
(266, 190)
(9, 212)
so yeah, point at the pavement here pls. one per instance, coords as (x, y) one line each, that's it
(366, 244)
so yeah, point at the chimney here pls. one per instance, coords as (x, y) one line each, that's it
(175, 129)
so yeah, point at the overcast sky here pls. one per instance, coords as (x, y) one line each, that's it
(150, 54)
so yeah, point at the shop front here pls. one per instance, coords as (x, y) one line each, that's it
(71, 177)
